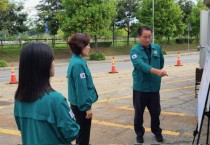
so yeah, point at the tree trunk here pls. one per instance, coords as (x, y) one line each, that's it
(53, 41)
(113, 35)
(168, 39)
(128, 36)
(96, 45)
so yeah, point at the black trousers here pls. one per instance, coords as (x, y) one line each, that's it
(151, 100)
(85, 126)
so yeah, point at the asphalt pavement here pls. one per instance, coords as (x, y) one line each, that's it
(113, 113)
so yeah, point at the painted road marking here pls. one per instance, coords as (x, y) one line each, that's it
(164, 90)
(112, 99)
(112, 81)
(167, 132)
(112, 85)
(125, 97)
(106, 92)
(1, 107)
(162, 112)
(174, 89)
(170, 76)
(177, 81)
(130, 78)
(7, 99)
(10, 131)
(96, 76)
(130, 83)
(123, 89)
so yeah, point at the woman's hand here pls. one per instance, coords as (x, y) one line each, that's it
(89, 114)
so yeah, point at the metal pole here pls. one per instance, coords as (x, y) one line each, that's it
(205, 107)
(188, 40)
(128, 30)
(113, 33)
(153, 21)
(207, 136)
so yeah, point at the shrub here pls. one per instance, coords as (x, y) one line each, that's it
(164, 52)
(3, 63)
(99, 56)
(101, 44)
(183, 40)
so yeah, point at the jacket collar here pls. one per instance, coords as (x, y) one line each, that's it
(75, 55)
(79, 57)
(142, 48)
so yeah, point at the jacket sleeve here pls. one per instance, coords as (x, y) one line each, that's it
(138, 62)
(81, 88)
(17, 120)
(66, 121)
(161, 59)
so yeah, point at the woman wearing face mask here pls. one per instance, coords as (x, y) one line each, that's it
(81, 90)
(41, 113)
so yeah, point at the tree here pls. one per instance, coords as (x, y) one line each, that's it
(126, 18)
(194, 18)
(12, 20)
(186, 6)
(167, 18)
(87, 16)
(4, 4)
(47, 15)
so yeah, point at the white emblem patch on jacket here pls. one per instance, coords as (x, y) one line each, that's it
(82, 75)
(134, 56)
(155, 52)
(72, 114)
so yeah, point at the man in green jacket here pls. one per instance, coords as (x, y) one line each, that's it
(148, 61)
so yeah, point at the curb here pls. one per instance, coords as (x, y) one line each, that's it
(118, 58)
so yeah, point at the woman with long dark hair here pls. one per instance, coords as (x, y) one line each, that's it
(81, 90)
(41, 113)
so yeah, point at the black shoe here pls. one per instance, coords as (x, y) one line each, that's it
(139, 139)
(159, 138)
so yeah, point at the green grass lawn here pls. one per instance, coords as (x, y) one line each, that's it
(124, 50)
(11, 53)
(177, 47)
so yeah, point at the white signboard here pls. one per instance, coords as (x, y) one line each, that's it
(203, 91)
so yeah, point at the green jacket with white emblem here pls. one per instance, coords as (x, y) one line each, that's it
(143, 80)
(48, 120)
(81, 90)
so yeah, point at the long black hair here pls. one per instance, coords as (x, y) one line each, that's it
(34, 71)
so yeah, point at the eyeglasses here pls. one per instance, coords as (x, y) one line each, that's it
(146, 37)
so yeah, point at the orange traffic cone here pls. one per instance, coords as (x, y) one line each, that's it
(113, 70)
(178, 63)
(13, 77)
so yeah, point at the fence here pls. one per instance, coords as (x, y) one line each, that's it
(20, 42)
(61, 43)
